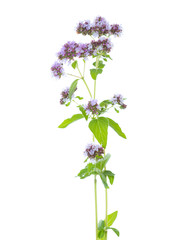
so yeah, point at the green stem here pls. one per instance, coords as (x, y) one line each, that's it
(87, 87)
(82, 77)
(106, 209)
(97, 61)
(95, 180)
(96, 208)
(73, 75)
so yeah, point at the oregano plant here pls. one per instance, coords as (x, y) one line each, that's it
(98, 51)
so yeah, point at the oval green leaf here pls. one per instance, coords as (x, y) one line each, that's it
(68, 121)
(111, 218)
(73, 88)
(116, 128)
(99, 128)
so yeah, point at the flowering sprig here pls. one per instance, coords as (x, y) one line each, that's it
(97, 49)
(118, 100)
(94, 151)
(65, 97)
(57, 69)
(92, 107)
(100, 27)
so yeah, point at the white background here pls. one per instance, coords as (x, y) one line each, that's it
(40, 198)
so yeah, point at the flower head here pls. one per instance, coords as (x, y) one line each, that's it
(84, 28)
(57, 70)
(118, 99)
(116, 30)
(93, 151)
(100, 27)
(92, 107)
(65, 96)
(68, 51)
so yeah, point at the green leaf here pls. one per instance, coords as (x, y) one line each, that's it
(100, 64)
(111, 179)
(67, 104)
(99, 128)
(108, 56)
(102, 162)
(87, 171)
(101, 225)
(105, 103)
(74, 64)
(68, 121)
(80, 98)
(116, 110)
(110, 175)
(114, 230)
(104, 180)
(111, 218)
(73, 88)
(101, 234)
(83, 112)
(86, 159)
(94, 72)
(116, 128)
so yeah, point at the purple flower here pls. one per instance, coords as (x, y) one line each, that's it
(57, 70)
(65, 96)
(92, 107)
(93, 151)
(68, 51)
(100, 27)
(116, 30)
(84, 28)
(102, 45)
(118, 99)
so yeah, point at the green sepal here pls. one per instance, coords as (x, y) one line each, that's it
(116, 128)
(74, 64)
(68, 121)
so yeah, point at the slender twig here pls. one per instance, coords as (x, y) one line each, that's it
(73, 75)
(82, 77)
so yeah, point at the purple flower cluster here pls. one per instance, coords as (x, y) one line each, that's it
(118, 99)
(93, 150)
(65, 96)
(57, 69)
(100, 27)
(82, 50)
(92, 107)
(116, 30)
